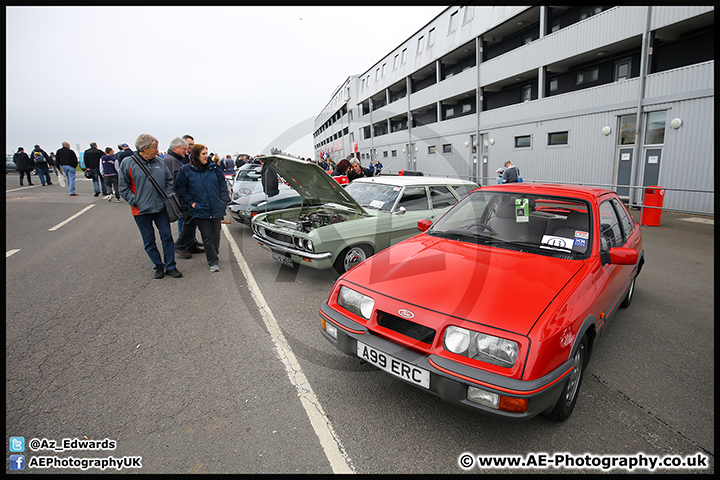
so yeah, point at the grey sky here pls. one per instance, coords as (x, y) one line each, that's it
(235, 78)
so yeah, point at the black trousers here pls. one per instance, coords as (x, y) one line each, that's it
(210, 233)
(186, 237)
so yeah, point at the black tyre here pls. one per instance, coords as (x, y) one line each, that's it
(351, 256)
(628, 298)
(566, 403)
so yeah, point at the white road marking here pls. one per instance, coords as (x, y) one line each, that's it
(334, 451)
(71, 218)
(11, 252)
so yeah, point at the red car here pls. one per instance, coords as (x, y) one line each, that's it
(497, 306)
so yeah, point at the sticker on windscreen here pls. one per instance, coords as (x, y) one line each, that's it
(581, 238)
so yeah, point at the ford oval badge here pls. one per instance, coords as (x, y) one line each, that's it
(406, 313)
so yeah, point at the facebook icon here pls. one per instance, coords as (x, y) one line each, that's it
(17, 462)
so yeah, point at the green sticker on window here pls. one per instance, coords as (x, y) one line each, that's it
(521, 210)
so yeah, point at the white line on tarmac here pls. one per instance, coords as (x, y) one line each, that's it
(11, 252)
(334, 451)
(71, 218)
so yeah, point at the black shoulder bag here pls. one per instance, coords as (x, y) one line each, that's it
(172, 201)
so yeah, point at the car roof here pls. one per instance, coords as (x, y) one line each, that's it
(402, 181)
(580, 191)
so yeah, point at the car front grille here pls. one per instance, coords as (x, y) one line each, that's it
(405, 327)
(280, 237)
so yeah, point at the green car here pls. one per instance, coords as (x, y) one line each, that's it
(340, 227)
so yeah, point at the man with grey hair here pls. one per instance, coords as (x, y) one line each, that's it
(68, 161)
(174, 160)
(357, 170)
(148, 205)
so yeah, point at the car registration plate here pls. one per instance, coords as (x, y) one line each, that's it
(284, 259)
(394, 366)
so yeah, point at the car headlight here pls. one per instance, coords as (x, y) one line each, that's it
(236, 195)
(479, 346)
(309, 245)
(356, 302)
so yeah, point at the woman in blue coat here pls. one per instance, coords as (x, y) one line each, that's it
(202, 186)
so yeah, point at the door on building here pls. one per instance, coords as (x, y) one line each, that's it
(624, 148)
(651, 175)
(654, 140)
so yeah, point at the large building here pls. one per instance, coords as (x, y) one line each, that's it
(621, 97)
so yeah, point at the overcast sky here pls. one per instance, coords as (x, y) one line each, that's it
(235, 78)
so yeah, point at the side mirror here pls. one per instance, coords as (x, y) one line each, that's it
(619, 256)
(401, 211)
(424, 224)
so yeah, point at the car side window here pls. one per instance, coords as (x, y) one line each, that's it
(463, 190)
(441, 197)
(414, 199)
(625, 220)
(610, 231)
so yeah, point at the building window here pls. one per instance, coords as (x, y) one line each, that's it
(589, 75)
(526, 93)
(655, 128)
(553, 84)
(558, 138)
(622, 70)
(431, 37)
(524, 141)
(555, 27)
(469, 13)
(453, 23)
(382, 72)
(431, 150)
(627, 129)
(385, 154)
(447, 148)
(393, 153)
(377, 74)
(420, 45)
(395, 61)
(404, 56)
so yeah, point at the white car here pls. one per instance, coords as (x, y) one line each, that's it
(247, 181)
(340, 227)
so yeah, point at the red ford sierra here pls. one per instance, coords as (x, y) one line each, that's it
(497, 306)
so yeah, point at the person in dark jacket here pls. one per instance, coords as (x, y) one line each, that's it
(511, 173)
(24, 165)
(269, 179)
(342, 168)
(41, 160)
(148, 204)
(357, 170)
(68, 161)
(123, 152)
(92, 158)
(202, 185)
(109, 170)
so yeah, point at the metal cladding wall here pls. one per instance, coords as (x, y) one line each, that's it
(590, 156)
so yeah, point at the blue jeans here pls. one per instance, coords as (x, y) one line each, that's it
(70, 174)
(147, 232)
(44, 174)
(97, 181)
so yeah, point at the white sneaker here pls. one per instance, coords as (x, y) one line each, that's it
(108, 198)
(117, 200)
(214, 268)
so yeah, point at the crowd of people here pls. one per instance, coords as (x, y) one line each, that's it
(144, 179)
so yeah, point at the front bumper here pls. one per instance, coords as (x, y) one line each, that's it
(448, 379)
(240, 216)
(314, 260)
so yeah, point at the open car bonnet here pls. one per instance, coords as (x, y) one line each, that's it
(312, 183)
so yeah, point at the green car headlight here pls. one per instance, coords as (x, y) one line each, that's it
(479, 346)
(356, 302)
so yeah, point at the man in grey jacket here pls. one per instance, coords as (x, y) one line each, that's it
(148, 204)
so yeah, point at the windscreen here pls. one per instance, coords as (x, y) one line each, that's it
(532, 221)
